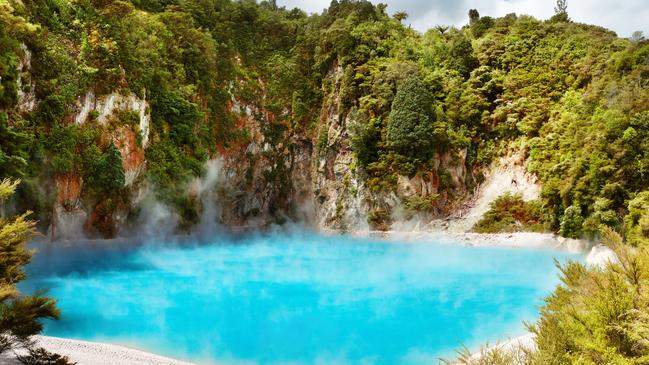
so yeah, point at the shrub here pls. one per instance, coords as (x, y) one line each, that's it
(637, 221)
(40, 356)
(365, 134)
(597, 316)
(379, 218)
(510, 213)
(571, 223)
(112, 177)
(323, 140)
(104, 172)
(418, 203)
(496, 355)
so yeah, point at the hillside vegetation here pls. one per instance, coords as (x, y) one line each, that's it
(573, 96)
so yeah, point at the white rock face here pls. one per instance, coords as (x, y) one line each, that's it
(131, 175)
(26, 87)
(600, 256)
(85, 108)
(107, 105)
(508, 176)
(68, 223)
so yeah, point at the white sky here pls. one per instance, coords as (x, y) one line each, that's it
(622, 16)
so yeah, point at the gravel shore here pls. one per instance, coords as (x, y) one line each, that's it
(93, 353)
(511, 240)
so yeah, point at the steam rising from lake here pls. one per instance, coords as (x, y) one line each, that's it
(295, 298)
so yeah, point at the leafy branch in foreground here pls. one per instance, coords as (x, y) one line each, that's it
(20, 316)
(41, 356)
(598, 315)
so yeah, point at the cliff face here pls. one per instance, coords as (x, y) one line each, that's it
(340, 198)
(343, 198)
(266, 179)
(75, 214)
(276, 174)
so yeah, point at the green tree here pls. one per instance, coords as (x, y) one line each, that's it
(20, 315)
(561, 7)
(561, 11)
(637, 221)
(474, 16)
(410, 129)
(112, 174)
(571, 222)
(400, 16)
(13, 149)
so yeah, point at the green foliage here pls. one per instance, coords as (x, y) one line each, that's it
(474, 16)
(419, 203)
(14, 144)
(637, 220)
(561, 11)
(496, 355)
(62, 144)
(481, 26)
(571, 222)
(40, 356)
(410, 130)
(12, 27)
(170, 168)
(105, 173)
(20, 316)
(597, 316)
(379, 218)
(323, 139)
(510, 213)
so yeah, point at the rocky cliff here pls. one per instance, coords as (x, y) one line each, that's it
(274, 175)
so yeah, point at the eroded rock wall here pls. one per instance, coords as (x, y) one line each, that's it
(276, 174)
(74, 218)
(343, 198)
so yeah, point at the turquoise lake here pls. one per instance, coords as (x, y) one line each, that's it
(293, 298)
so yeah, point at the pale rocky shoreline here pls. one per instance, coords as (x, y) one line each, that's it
(92, 353)
(529, 240)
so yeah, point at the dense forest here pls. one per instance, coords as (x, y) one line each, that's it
(572, 97)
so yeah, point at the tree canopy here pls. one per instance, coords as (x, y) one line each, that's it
(410, 130)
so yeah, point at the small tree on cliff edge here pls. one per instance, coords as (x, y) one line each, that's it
(561, 11)
(411, 130)
(20, 316)
(113, 171)
(474, 16)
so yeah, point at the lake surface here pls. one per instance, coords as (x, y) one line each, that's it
(295, 298)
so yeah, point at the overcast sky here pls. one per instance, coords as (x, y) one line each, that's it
(622, 16)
